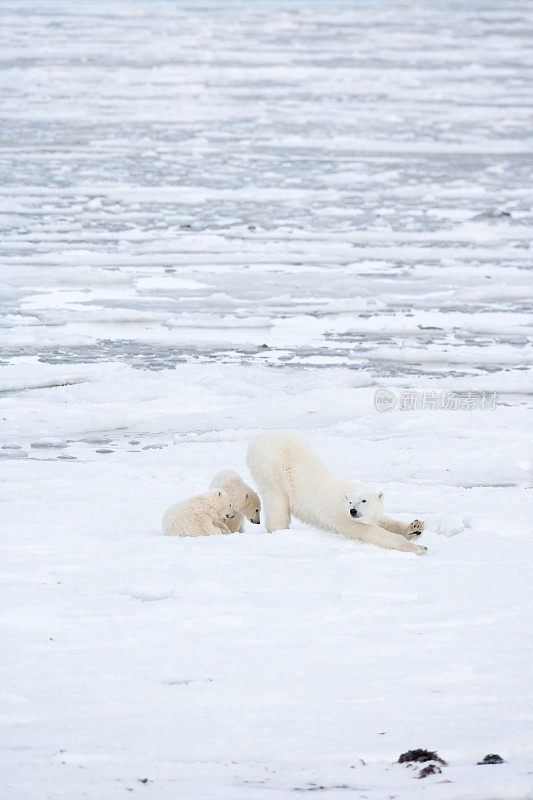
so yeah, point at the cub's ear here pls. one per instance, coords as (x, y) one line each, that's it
(380, 495)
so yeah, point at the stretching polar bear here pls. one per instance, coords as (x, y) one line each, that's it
(245, 501)
(293, 480)
(196, 516)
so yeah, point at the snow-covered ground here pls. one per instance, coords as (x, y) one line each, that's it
(231, 217)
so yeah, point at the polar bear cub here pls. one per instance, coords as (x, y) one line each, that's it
(245, 501)
(196, 516)
(293, 480)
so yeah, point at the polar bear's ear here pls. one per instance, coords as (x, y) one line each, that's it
(380, 495)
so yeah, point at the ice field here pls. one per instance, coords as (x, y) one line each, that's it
(232, 217)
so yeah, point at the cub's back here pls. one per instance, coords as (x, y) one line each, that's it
(226, 477)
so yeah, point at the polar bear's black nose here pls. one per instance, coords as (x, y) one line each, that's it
(353, 512)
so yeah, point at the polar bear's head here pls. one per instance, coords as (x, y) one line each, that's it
(220, 503)
(250, 506)
(361, 504)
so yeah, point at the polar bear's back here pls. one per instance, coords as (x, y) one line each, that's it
(284, 458)
(174, 519)
(225, 478)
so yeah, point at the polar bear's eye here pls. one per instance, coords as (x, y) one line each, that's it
(363, 501)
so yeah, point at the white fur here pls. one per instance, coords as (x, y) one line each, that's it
(196, 516)
(245, 501)
(293, 480)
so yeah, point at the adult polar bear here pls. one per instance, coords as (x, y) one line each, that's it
(293, 480)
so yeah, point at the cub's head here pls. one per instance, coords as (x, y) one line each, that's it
(361, 504)
(251, 506)
(221, 504)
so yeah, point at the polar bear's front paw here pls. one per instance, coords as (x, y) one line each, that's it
(420, 550)
(414, 529)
